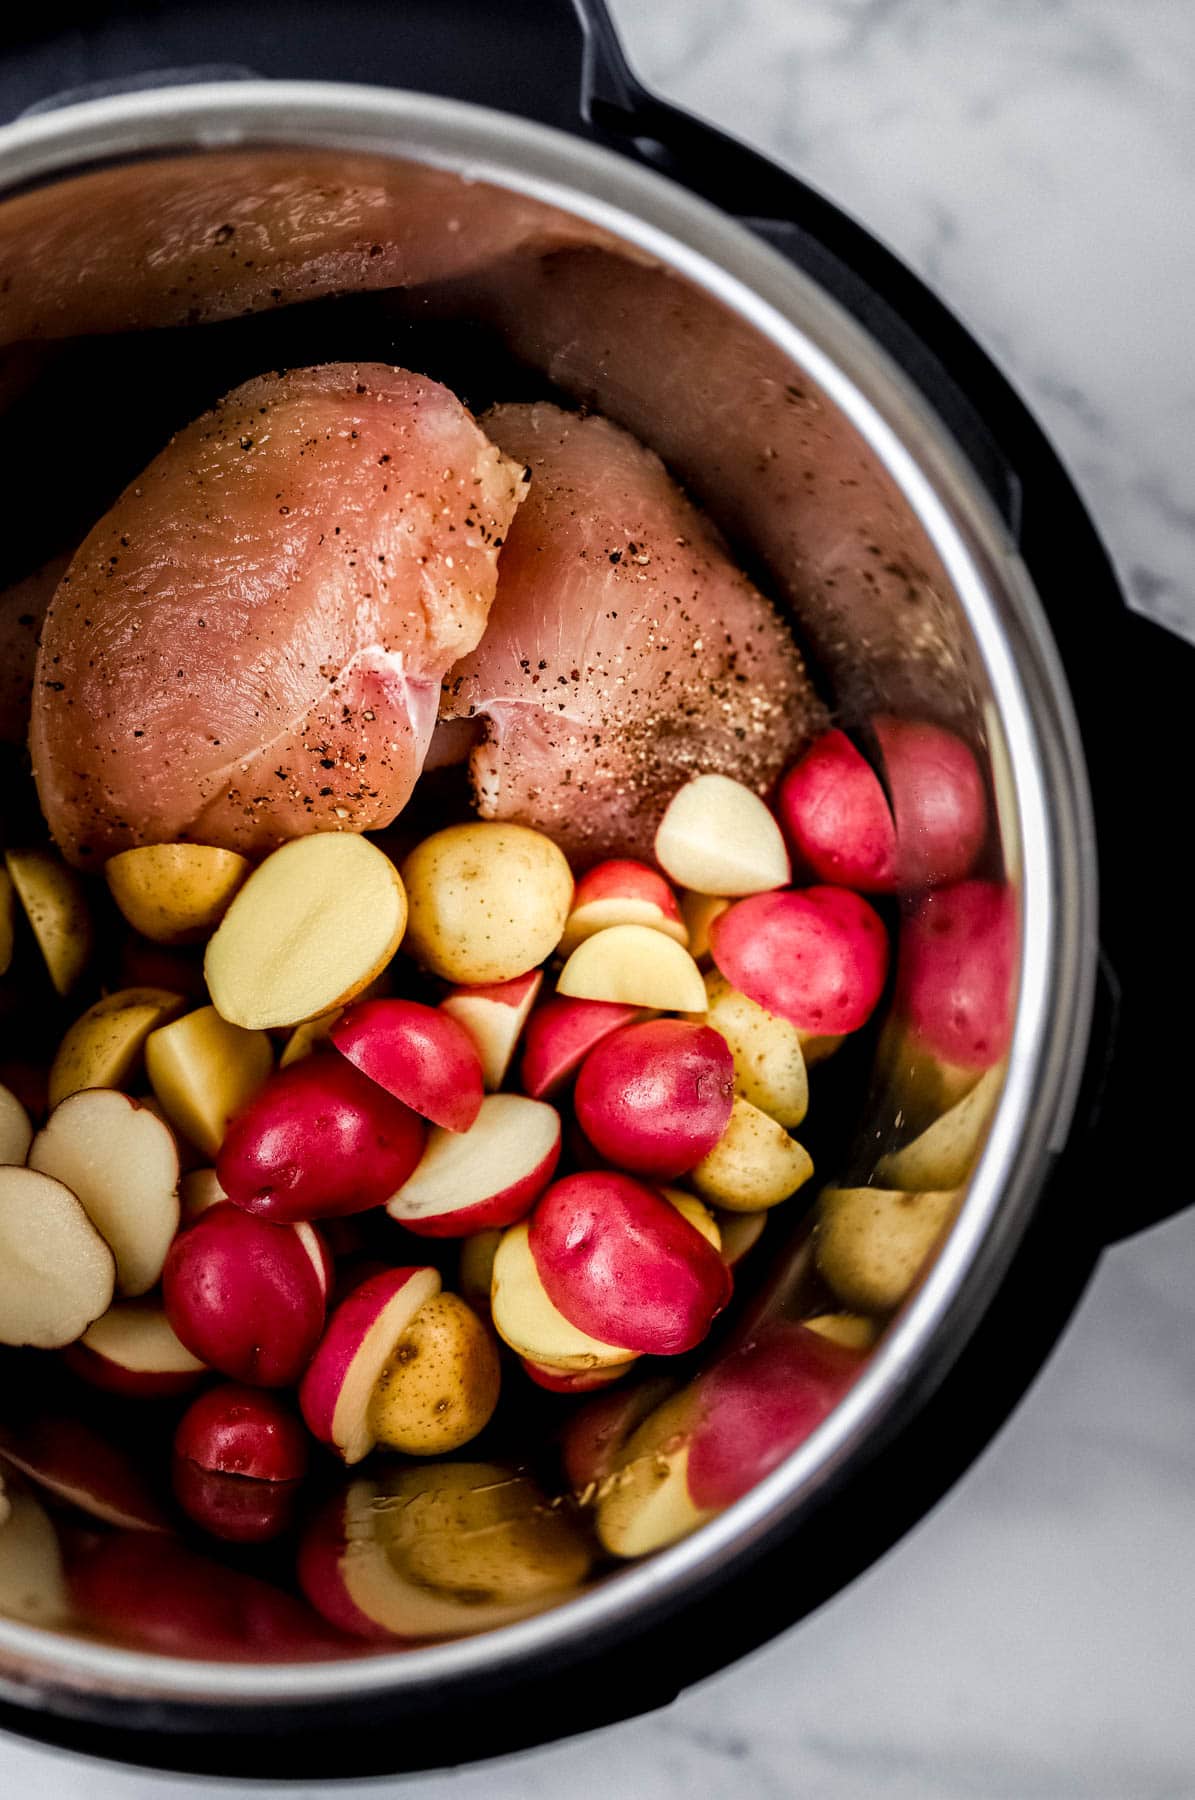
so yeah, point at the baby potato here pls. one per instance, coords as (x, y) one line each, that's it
(754, 1164)
(175, 893)
(309, 930)
(440, 1387)
(769, 1065)
(872, 1243)
(488, 901)
(104, 1045)
(56, 906)
(203, 1070)
(945, 1152)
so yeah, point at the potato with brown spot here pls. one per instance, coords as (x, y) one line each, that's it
(488, 902)
(440, 1387)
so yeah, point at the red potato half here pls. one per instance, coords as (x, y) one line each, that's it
(619, 1261)
(158, 1595)
(494, 1017)
(134, 1350)
(654, 1098)
(247, 1297)
(593, 1437)
(65, 1457)
(57, 1274)
(817, 956)
(559, 1036)
(622, 892)
(572, 1381)
(488, 1175)
(240, 1455)
(440, 1551)
(526, 1319)
(122, 1162)
(319, 1140)
(843, 827)
(956, 973)
(419, 1054)
(402, 1365)
(711, 1444)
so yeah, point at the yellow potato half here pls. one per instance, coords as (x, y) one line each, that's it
(175, 893)
(754, 1164)
(945, 1153)
(489, 902)
(769, 1064)
(312, 927)
(203, 1070)
(873, 1243)
(103, 1048)
(56, 906)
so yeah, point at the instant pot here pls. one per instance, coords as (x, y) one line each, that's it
(576, 234)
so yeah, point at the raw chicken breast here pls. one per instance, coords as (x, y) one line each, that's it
(187, 241)
(249, 645)
(625, 651)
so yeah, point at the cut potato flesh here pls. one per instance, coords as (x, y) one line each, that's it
(56, 906)
(203, 1070)
(944, 1155)
(121, 1162)
(717, 837)
(56, 1272)
(525, 1318)
(312, 927)
(136, 1335)
(104, 1046)
(175, 893)
(634, 966)
(645, 1503)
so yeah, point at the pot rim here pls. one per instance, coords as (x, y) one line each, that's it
(1047, 806)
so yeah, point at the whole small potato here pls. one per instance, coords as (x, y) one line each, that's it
(487, 902)
(873, 1243)
(440, 1386)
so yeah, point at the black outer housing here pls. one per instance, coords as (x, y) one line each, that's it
(558, 61)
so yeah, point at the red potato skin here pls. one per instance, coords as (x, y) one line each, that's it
(157, 1595)
(506, 1208)
(559, 1036)
(955, 979)
(245, 1297)
(134, 1384)
(319, 1140)
(816, 956)
(240, 1456)
(938, 802)
(619, 1262)
(418, 1054)
(329, 1366)
(655, 1097)
(758, 1403)
(839, 821)
(570, 1381)
(623, 877)
(318, 1568)
(592, 1437)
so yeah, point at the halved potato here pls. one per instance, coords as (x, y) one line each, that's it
(769, 1064)
(175, 893)
(203, 1070)
(754, 1164)
(56, 906)
(944, 1154)
(103, 1048)
(57, 1274)
(32, 1583)
(312, 927)
(16, 1133)
(873, 1243)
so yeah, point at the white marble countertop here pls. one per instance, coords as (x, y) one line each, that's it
(1032, 1639)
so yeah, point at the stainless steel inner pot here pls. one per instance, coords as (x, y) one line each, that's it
(813, 453)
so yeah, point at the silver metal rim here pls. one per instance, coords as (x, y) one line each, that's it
(1053, 813)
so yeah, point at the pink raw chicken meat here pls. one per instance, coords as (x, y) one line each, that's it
(249, 645)
(625, 652)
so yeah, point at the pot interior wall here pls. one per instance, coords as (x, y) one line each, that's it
(133, 297)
